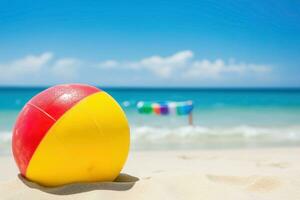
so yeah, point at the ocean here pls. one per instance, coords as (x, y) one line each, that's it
(223, 118)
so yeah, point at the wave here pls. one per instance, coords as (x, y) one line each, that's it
(5, 142)
(219, 137)
(192, 131)
(197, 137)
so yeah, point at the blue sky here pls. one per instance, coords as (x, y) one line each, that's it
(154, 43)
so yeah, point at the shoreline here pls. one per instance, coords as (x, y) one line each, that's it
(264, 173)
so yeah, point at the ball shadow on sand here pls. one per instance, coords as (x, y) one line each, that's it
(123, 182)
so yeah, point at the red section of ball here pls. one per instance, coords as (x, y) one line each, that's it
(30, 128)
(39, 114)
(56, 100)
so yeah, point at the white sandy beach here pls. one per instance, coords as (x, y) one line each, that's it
(217, 174)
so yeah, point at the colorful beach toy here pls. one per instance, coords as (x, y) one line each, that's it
(71, 133)
(167, 108)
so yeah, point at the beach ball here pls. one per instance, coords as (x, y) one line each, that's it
(71, 133)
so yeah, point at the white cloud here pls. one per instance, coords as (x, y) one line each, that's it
(66, 68)
(35, 66)
(260, 68)
(25, 66)
(160, 66)
(108, 64)
(180, 67)
(182, 64)
(218, 68)
(163, 66)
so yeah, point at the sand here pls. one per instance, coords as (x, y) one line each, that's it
(217, 174)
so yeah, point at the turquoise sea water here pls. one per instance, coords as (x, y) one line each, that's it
(223, 118)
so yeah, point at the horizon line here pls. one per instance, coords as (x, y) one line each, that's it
(162, 87)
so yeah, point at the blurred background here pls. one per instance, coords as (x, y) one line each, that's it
(237, 61)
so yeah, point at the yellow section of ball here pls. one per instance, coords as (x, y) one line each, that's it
(90, 142)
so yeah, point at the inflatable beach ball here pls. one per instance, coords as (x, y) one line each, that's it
(71, 133)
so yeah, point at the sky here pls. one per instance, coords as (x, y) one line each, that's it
(189, 43)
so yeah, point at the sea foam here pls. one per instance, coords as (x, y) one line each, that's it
(199, 137)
